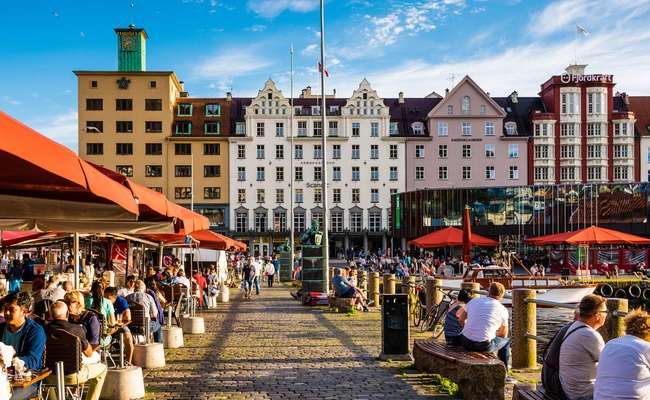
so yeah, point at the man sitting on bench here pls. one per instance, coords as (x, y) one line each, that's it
(343, 288)
(485, 325)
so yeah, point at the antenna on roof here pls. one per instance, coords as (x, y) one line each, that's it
(452, 79)
(132, 6)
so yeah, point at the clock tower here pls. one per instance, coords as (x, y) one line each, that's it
(131, 49)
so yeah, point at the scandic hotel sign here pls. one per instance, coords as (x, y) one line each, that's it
(604, 78)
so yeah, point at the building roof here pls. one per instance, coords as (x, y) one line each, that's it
(640, 105)
(520, 112)
(413, 109)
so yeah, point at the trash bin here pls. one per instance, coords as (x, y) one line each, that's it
(395, 324)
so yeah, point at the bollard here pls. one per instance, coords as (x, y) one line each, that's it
(374, 288)
(147, 329)
(614, 324)
(169, 316)
(437, 293)
(389, 283)
(363, 282)
(473, 287)
(429, 291)
(410, 284)
(524, 321)
(60, 380)
(121, 350)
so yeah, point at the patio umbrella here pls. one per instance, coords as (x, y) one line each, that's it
(467, 237)
(206, 239)
(589, 236)
(450, 237)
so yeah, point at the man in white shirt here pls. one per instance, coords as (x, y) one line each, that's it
(485, 324)
(258, 269)
(581, 348)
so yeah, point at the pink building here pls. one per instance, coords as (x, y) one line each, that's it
(475, 141)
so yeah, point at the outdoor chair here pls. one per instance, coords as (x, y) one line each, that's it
(62, 346)
(138, 322)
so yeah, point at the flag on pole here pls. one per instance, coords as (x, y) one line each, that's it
(581, 29)
(324, 71)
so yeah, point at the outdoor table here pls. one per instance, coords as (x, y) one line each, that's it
(37, 376)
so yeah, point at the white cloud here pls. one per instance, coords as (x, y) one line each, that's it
(256, 28)
(272, 8)
(11, 101)
(61, 128)
(231, 63)
(310, 49)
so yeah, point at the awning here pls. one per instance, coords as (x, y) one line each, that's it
(589, 236)
(205, 239)
(450, 237)
(9, 238)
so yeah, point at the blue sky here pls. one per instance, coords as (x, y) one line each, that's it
(414, 46)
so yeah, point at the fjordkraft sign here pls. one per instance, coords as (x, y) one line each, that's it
(596, 78)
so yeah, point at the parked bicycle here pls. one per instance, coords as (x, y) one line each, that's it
(434, 319)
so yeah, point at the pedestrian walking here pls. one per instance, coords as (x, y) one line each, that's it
(276, 264)
(269, 271)
(247, 279)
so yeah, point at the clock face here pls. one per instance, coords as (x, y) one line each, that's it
(128, 43)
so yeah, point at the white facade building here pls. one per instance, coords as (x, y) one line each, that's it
(365, 165)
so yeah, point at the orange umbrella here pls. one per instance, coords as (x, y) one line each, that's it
(450, 237)
(589, 236)
(207, 240)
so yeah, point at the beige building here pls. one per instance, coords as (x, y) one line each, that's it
(143, 124)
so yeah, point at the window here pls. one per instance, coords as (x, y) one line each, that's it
(211, 193)
(241, 174)
(419, 151)
(123, 149)
(593, 129)
(336, 195)
(299, 220)
(467, 151)
(182, 171)
(392, 152)
(467, 172)
(442, 173)
(95, 126)
(211, 171)
(541, 173)
(393, 173)
(620, 151)
(183, 193)
(356, 153)
(393, 129)
(260, 176)
(153, 126)
(374, 129)
(333, 110)
(356, 221)
(318, 128)
(467, 128)
(356, 195)
(241, 221)
(541, 151)
(594, 151)
(594, 173)
(419, 173)
(374, 173)
(356, 129)
(279, 174)
(336, 173)
(211, 149)
(356, 175)
(156, 189)
(260, 129)
(212, 128)
(298, 174)
(184, 109)
(620, 129)
(513, 150)
(280, 220)
(333, 128)
(124, 126)
(279, 195)
(260, 152)
(318, 195)
(299, 196)
(418, 128)
(241, 151)
(374, 195)
(261, 195)
(569, 103)
(315, 110)
(93, 84)
(153, 104)
(302, 128)
(183, 149)
(567, 129)
(489, 129)
(482, 109)
(374, 151)
(567, 151)
(443, 129)
(318, 174)
(620, 173)
(241, 195)
(336, 151)
(374, 221)
(95, 148)
(450, 109)
(183, 127)
(152, 84)
(240, 128)
(279, 129)
(513, 172)
(490, 151)
(442, 151)
(260, 221)
(318, 151)
(94, 104)
(337, 220)
(567, 173)
(123, 104)
(297, 152)
(153, 149)
(542, 129)
(595, 103)
(490, 173)
(511, 128)
(465, 106)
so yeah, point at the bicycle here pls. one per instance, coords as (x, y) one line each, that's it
(418, 309)
(435, 319)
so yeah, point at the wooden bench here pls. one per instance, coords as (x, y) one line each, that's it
(341, 304)
(530, 392)
(479, 376)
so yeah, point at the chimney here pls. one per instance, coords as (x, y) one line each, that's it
(514, 97)
(228, 96)
(401, 98)
(334, 95)
(576, 69)
(446, 92)
(626, 100)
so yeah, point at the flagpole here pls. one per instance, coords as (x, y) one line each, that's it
(324, 151)
(291, 194)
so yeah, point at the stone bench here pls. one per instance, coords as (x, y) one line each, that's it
(480, 376)
(341, 304)
(529, 392)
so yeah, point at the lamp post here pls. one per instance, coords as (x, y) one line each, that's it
(323, 119)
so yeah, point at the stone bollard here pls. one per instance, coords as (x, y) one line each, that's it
(614, 324)
(172, 337)
(473, 287)
(373, 287)
(123, 384)
(429, 291)
(224, 294)
(389, 283)
(362, 282)
(524, 320)
(193, 325)
(149, 355)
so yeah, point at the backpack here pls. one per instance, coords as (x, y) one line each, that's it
(551, 362)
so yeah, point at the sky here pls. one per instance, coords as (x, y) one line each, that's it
(412, 46)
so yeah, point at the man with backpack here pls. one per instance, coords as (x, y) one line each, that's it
(571, 357)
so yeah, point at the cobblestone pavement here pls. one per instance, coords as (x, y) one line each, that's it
(274, 348)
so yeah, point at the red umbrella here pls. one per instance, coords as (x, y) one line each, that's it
(450, 237)
(589, 236)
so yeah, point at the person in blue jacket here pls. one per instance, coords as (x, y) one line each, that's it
(25, 335)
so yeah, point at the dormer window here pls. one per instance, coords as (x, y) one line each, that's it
(466, 109)
(418, 128)
(269, 95)
(315, 110)
(297, 110)
(185, 109)
(511, 128)
(334, 109)
(365, 95)
(212, 110)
